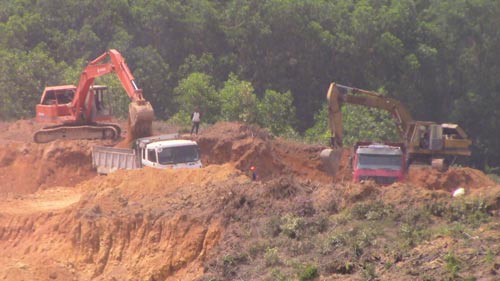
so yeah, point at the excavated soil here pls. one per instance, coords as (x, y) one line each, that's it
(450, 180)
(247, 145)
(28, 167)
(146, 223)
(60, 221)
(18, 131)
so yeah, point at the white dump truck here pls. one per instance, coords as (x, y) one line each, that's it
(162, 152)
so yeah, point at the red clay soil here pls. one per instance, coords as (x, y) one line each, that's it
(18, 131)
(450, 180)
(26, 168)
(247, 145)
(66, 223)
(149, 224)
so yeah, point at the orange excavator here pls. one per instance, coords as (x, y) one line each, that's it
(80, 112)
(425, 141)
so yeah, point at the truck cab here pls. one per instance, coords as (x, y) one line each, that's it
(382, 163)
(170, 154)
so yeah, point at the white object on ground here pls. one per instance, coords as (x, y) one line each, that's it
(459, 192)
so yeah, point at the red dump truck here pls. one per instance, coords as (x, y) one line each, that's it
(383, 163)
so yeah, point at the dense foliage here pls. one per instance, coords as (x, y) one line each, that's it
(240, 58)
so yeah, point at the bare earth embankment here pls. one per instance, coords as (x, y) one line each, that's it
(60, 221)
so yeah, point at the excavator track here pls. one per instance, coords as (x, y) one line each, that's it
(77, 132)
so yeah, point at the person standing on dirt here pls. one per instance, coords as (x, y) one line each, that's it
(253, 173)
(195, 119)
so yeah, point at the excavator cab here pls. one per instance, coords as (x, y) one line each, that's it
(55, 104)
(101, 109)
(61, 96)
(437, 144)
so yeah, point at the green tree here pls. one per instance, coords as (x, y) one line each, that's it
(368, 124)
(320, 132)
(238, 101)
(117, 97)
(152, 74)
(23, 76)
(197, 90)
(276, 112)
(359, 124)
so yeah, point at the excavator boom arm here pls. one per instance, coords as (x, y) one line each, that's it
(335, 116)
(336, 97)
(99, 67)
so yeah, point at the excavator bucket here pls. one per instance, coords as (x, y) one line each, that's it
(331, 160)
(140, 120)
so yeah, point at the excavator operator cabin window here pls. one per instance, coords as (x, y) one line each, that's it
(65, 97)
(50, 98)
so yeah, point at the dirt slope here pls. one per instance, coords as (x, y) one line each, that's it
(247, 145)
(127, 224)
(59, 221)
(450, 180)
(27, 167)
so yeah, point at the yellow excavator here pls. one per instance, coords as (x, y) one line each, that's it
(425, 141)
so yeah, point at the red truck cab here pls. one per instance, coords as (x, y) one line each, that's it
(382, 163)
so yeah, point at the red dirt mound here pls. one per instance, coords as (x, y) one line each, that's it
(145, 224)
(25, 168)
(246, 145)
(18, 131)
(449, 180)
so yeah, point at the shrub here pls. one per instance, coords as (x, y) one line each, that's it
(369, 271)
(320, 225)
(308, 273)
(370, 211)
(291, 226)
(277, 275)
(452, 264)
(256, 248)
(332, 241)
(230, 262)
(359, 238)
(273, 226)
(271, 256)
(470, 211)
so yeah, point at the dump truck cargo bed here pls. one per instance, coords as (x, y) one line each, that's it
(109, 159)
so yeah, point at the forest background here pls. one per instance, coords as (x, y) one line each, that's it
(269, 62)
